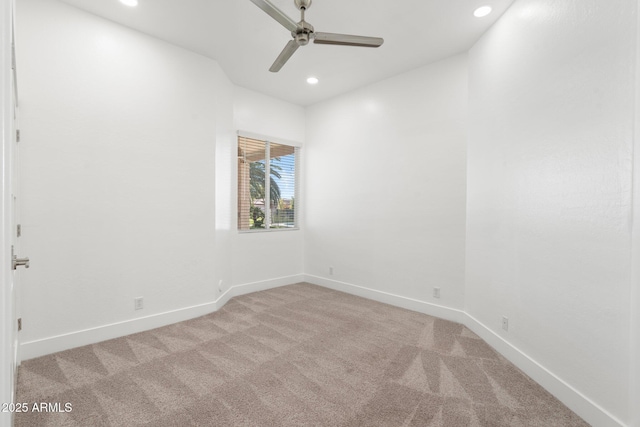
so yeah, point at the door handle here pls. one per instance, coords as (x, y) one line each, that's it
(15, 261)
(20, 261)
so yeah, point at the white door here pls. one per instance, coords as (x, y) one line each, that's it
(8, 212)
(18, 262)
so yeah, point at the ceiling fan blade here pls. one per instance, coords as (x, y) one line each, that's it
(284, 56)
(276, 14)
(347, 40)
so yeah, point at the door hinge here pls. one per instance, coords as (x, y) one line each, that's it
(13, 55)
(19, 230)
(19, 324)
(17, 135)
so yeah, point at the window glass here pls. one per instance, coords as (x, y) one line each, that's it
(267, 185)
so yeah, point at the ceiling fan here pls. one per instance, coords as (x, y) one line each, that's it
(302, 32)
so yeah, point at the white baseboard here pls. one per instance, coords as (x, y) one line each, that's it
(42, 347)
(572, 398)
(577, 402)
(440, 311)
(263, 285)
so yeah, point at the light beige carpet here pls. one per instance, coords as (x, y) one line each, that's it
(299, 355)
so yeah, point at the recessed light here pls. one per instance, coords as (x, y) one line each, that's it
(313, 80)
(130, 3)
(482, 11)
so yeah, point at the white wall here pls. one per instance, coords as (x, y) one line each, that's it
(549, 191)
(130, 181)
(119, 133)
(385, 187)
(267, 255)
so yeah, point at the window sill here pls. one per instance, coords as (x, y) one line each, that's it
(268, 230)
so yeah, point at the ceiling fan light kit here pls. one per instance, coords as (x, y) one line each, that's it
(303, 32)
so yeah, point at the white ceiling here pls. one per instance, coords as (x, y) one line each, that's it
(246, 41)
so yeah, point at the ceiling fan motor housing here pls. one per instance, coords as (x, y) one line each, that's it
(303, 33)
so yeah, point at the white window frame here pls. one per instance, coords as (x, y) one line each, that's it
(296, 212)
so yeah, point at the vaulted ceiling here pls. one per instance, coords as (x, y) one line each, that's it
(246, 41)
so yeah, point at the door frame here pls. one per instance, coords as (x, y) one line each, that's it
(634, 377)
(8, 332)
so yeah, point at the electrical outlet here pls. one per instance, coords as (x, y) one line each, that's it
(436, 292)
(330, 270)
(138, 303)
(505, 323)
(220, 286)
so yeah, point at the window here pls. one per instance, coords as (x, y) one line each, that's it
(266, 204)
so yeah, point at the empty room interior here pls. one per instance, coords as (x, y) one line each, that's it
(435, 224)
